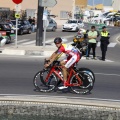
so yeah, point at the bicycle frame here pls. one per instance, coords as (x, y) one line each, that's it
(71, 73)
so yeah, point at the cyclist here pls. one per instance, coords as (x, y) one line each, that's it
(73, 56)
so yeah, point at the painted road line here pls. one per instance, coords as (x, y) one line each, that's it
(21, 41)
(110, 45)
(106, 60)
(30, 42)
(107, 74)
(64, 38)
(47, 40)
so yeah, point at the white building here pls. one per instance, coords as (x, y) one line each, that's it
(115, 4)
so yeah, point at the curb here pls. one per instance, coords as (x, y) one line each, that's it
(29, 50)
(77, 109)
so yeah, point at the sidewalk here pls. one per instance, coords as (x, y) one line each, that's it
(29, 50)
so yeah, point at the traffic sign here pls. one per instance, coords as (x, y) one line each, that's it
(47, 3)
(18, 7)
(17, 1)
(17, 15)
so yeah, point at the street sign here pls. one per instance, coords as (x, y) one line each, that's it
(17, 1)
(47, 3)
(17, 15)
(45, 15)
(18, 7)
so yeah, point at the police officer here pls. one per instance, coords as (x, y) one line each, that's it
(105, 35)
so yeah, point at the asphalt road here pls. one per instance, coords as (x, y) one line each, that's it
(17, 72)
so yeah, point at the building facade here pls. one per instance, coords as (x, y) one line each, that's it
(115, 4)
(62, 10)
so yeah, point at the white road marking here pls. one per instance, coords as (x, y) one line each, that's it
(64, 39)
(110, 45)
(21, 41)
(30, 42)
(107, 74)
(106, 60)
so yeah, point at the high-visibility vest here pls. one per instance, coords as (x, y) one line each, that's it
(104, 34)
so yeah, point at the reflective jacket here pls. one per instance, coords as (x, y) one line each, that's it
(105, 36)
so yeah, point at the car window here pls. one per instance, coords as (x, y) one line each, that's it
(25, 22)
(19, 22)
(1, 27)
(7, 26)
(14, 22)
(72, 21)
(54, 21)
(28, 22)
(51, 21)
(79, 21)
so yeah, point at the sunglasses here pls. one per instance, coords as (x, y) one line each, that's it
(57, 43)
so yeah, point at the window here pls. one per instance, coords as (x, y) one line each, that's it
(51, 21)
(63, 15)
(79, 21)
(72, 21)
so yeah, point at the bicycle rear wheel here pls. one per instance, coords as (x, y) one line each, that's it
(88, 71)
(87, 83)
(41, 85)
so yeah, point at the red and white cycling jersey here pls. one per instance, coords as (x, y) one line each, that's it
(72, 53)
(68, 50)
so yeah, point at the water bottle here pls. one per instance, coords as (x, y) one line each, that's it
(60, 73)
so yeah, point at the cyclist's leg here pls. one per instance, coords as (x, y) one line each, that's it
(66, 65)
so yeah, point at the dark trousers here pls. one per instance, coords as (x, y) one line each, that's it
(93, 46)
(103, 46)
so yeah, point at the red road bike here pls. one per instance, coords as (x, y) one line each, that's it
(81, 81)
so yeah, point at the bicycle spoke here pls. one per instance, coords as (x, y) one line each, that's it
(87, 85)
(41, 85)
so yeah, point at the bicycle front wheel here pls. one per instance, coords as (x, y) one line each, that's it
(87, 83)
(42, 85)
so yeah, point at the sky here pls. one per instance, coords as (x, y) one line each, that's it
(106, 2)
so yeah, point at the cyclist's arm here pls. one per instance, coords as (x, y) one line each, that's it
(55, 55)
(52, 56)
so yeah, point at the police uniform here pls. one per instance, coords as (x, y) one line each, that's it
(105, 35)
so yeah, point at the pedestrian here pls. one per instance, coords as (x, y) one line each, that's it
(30, 20)
(92, 35)
(104, 41)
(33, 24)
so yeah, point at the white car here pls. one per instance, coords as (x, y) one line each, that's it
(72, 25)
(103, 18)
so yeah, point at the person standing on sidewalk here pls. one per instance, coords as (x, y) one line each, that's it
(92, 35)
(104, 41)
(33, 24)
(30, 20)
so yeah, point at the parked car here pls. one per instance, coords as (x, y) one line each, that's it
(7, 32)
(72, 25)
(52, 25)
(23, 26)
(103, 17)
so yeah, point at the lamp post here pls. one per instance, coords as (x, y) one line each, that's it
(39, 32)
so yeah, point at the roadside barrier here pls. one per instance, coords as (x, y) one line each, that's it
(19, 109)
(98, 26)
(99, 22)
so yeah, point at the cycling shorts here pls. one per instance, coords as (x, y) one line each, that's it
(70, 60)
